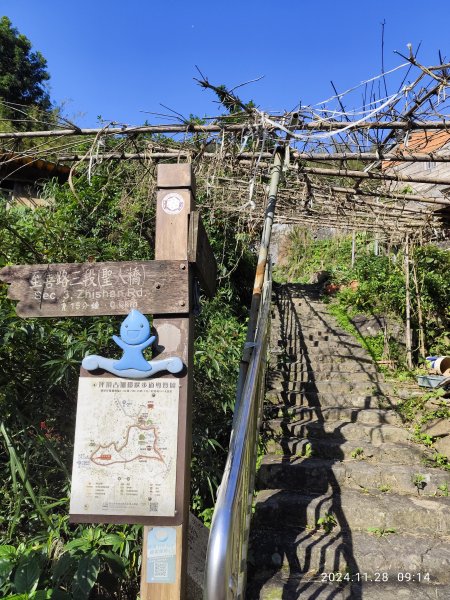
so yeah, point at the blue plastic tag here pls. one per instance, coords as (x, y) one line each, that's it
(161, 555)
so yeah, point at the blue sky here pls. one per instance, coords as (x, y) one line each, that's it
(121, 60)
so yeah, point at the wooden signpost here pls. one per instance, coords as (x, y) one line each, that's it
(133, 437)
(92, 289)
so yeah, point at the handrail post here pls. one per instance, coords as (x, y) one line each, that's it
(275, 176)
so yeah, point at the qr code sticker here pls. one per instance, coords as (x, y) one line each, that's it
(153, 507)
(160, 569)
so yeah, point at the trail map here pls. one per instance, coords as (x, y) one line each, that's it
(125, 447)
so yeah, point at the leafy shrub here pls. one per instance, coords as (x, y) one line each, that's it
(381, 283)
(110, 218)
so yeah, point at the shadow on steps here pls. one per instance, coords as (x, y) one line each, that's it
(280, 542)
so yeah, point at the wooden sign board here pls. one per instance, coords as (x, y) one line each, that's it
(107, 288)
(125, 454)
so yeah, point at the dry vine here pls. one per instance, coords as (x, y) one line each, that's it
(343, 168)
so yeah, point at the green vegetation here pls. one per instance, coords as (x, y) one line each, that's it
(375, 285)
(423, 438)
(328, 522)
(418, 412)
(384, 488)
(109, 218)
(425, 407)
(419, 481)
(443, 489)
(307, 256)
(93, 559)
(438, 460)
(23, 72)
(306, 451)
(24, 98)
(358, 453)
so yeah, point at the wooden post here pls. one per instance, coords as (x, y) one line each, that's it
(175, 202)
(164, 288)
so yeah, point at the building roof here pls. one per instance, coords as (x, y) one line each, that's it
(24, 168)
(418, 142)
(424, 142)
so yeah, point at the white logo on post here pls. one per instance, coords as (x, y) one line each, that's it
(172, 204)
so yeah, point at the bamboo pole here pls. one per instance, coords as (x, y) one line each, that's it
(260, 271)
(373, 175)
(385, 194)
(360, 175)
(408, 341)
(422, 349)
(348, 224)
(353, 247)
(391, 208)
(295, 156)
(406, 125)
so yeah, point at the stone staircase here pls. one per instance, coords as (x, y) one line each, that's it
(337, 512)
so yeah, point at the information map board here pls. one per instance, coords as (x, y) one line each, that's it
(125, 451)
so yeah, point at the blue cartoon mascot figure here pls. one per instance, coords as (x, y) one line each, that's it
(134, 339)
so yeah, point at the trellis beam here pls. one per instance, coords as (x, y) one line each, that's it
(326, 125)
(385, 194)
(311, 156)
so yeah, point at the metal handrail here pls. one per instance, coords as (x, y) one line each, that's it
(226, 563)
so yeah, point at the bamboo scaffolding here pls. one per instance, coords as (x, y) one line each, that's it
(232, 154)
(310, 126)
(386, 194)
(297, 156)
(371, 175)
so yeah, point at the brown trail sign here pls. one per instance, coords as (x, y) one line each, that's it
(90, 289)
(148, 422)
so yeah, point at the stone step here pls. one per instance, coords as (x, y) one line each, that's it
(349, 344)
(355, 510)
(398, 453)
(313, 332)
(299, 337)
(317, 475)
(313, 335)
(338, 430)
(317, 353)
(324, 386)
(340, 450)
(294, 368)
(327, 400)
(293, 378)
(306, 372)
(318, 319)
(291, 550)
(283, 586)
(371, 416)
(315, 327)
(287, 366)
(314, 358)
